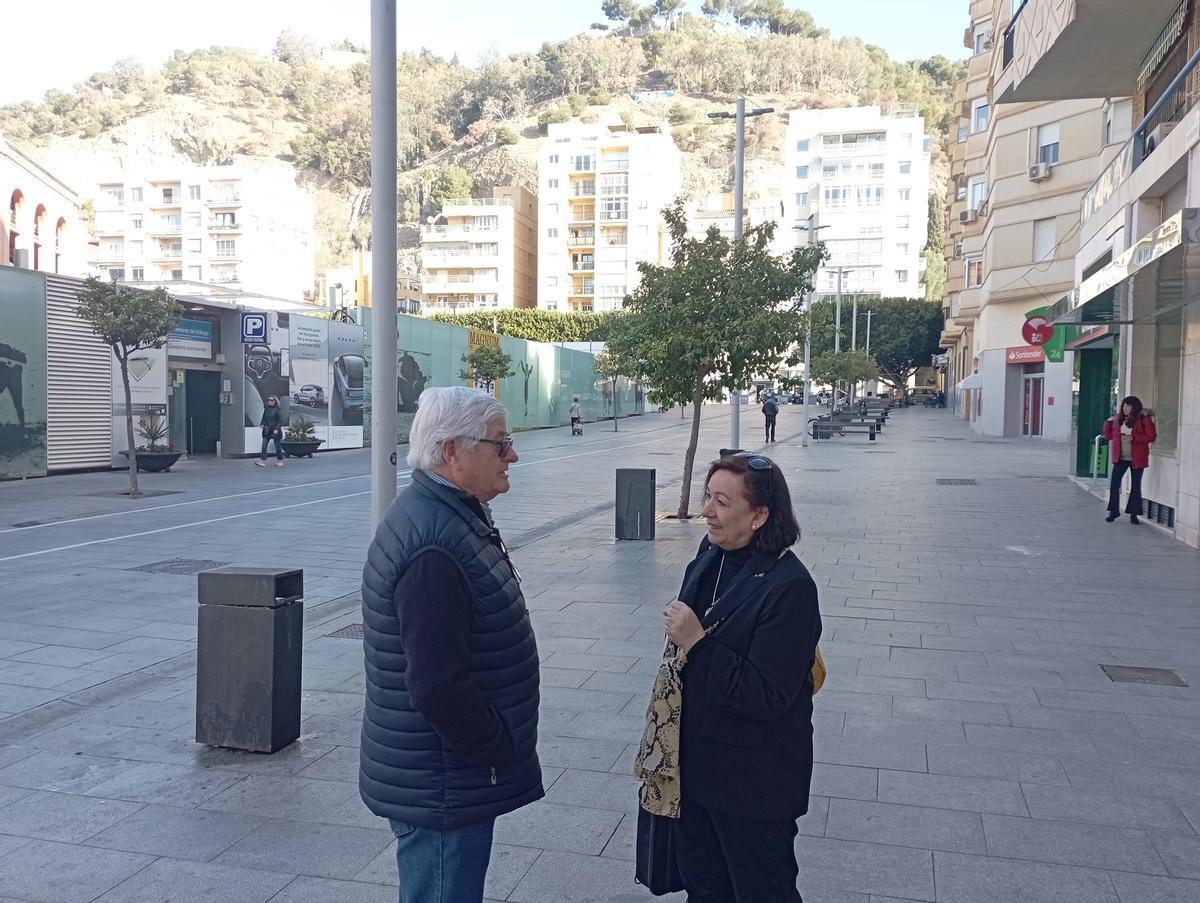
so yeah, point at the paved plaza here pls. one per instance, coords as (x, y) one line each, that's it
(969, 747)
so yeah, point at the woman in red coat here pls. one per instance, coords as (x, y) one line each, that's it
(1129, 434)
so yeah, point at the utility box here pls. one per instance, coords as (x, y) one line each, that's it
(635, 502)
(249, 657)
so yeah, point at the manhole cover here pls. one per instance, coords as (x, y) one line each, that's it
(349, 632)
(179, 566)
(957, 483)
(1125, 674)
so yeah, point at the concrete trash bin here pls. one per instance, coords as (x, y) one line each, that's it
(249, 647)
(635, 502)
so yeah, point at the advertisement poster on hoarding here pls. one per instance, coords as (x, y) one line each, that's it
(147, 394)
(22, 374)
(265, 373)
(309, 378)
(346, 385)
(477, 338)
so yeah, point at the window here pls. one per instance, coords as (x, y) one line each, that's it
(643, 205)
(551, 281)
(1117, 123)
(976, 192)
(982, 40)
(135, 222)
(868, 196)
(553, 158)
(135, 195)
(902, 248)
(194, 273)
(553, 183)
(618, 161)
(116, 274)
(1168, 352)
(176, 275)
(960, 193)
(614, 210)
(1043, 239)
(613, 184)
(226, 247)
(836, 197)
(115, 196)
(831, 140)
(979, 114)
(115, 250)
(552, 209)
(552, 232)
(902, 222)
(193, 219)
(194, 246)
(962, 132)
(828, 170)
(138, 274)
(974, 272)
(802, 199)
(876, 170)
(907, 139)
(1047, 141)
(802, 145)
(905, 167)
(904, 194)
(802, 172)
(902, 275)
(135, 249)
(194, 192)
(487, 223)
(583, 163)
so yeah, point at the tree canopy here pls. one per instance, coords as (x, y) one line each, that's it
(721, 313)
(904, 333)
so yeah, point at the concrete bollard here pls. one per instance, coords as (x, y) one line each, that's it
(635, 502)
(249, 656)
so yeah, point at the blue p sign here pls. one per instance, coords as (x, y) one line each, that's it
(254, 329)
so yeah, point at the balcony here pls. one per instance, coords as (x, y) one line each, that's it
(581, 241)
(167, 201)
(459, 230)
(215, 225)
(225, 199)
(476, 202)
(582, 214)
(1080, 49)
(614, 216)
(164, 229)
(166, 254)
(225, 277)
(583, 266)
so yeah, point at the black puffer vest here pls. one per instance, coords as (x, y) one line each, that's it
(405, 771)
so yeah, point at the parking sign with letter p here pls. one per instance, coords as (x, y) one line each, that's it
(254, 329)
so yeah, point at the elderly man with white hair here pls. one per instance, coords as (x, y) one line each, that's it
(449, 738)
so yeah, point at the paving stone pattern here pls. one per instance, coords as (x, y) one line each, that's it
(969, 747)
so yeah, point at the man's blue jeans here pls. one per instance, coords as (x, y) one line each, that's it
(447, 866)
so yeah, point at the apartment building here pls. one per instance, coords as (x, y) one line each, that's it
(1018, 171)
(481, 253)
(218, 225)
(601, 190)
(40, 228)
(862, 175)
(1132, 315)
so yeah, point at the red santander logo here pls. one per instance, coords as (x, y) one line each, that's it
(1037, 330)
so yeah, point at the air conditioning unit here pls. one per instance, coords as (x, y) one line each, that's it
(1160, 132)
(1039, 172)
(968, 216)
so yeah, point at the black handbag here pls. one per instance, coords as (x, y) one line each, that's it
(657, 868)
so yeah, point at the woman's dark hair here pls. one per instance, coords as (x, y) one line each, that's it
(1135, 405)
(765, 487)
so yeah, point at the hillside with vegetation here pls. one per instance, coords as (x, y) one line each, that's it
(463, 128)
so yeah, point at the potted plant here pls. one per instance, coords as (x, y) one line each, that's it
(157, 455)
(300, 439)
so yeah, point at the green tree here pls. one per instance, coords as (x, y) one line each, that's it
(904, 333)
(452, 182)
(535, 325)
(486, 366)
(934, 252)
(128, 320)
(618, 10)
(609, 365)
(845, 367)
(721, 313)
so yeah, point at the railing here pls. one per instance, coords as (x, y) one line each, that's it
(580, 266)
(226, 252)
(1175, 102)
(583, 214)
(225, 278)
(169, 254)
(1010, 35)
(229, 197)
(477, 202)
(463, 227)
(222, 226)
(587, 190)
(171, 200)
(614, 216)
(454, 255)
(581, 241)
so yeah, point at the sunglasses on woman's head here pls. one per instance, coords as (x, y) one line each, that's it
(757, 462)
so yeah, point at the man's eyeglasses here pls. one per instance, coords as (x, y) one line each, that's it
(503, 446)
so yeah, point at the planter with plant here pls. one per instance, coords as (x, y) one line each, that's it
(300, 439)
(157, 455)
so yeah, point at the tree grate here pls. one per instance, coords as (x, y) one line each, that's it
(956, 482)
(1126, 674)
(179, 566)
(349, 632)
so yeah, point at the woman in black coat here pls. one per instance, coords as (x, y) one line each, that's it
(745, 751)
(272, 431)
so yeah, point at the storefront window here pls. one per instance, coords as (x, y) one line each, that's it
(1168, 350)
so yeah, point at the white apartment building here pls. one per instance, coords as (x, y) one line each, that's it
(863, 176)
(481, 253)
(219, 225)
(601, 191)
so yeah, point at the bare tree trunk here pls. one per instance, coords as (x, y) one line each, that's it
(616, 403)
(689, 459)
(134, 492)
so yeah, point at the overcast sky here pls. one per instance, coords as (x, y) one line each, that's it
(55, 44)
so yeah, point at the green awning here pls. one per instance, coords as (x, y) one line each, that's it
(1160, 273)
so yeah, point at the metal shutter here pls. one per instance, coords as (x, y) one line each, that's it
(78, 384)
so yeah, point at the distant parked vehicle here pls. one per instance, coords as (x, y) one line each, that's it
(921, 395)
(311, 395)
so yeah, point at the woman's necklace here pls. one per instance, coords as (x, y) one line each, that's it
(716, 586)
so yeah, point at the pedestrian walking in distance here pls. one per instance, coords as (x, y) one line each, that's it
(449, 736)
(272, 431)
(748, 623)
(1129, 432)
(576, 417)
(770, 411)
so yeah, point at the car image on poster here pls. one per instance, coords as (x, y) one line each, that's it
(346, 395)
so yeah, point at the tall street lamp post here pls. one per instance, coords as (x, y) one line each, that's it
(739, 169)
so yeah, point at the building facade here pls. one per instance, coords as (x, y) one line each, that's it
(601, 191)
(216, 224)
(481, 253)
(39, 227)
(1133, 313)
(1018, 171)
(863, 177)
